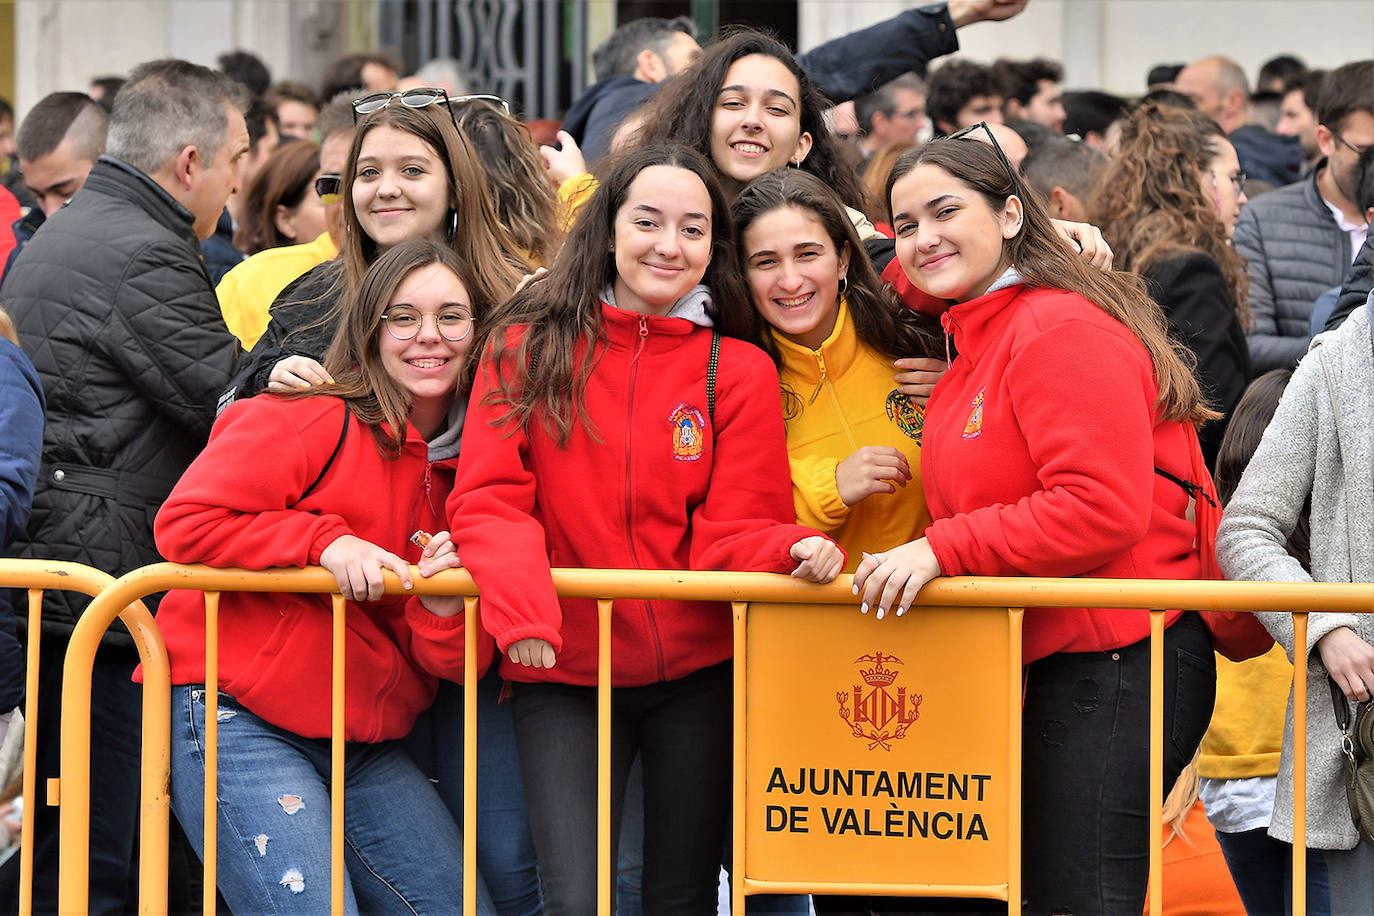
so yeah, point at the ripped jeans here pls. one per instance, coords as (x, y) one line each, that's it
(402, 850)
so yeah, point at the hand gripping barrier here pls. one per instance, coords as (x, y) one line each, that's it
(37, 576)
(1009, 596)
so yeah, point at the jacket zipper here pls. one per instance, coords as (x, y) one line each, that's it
(819, 382)
(947, 324)
(629, 491)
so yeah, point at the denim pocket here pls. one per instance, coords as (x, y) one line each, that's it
(1195, 686)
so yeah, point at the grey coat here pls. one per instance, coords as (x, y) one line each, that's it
(1320, 442)
(1294, 252)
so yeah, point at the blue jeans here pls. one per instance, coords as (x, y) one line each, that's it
(402, 851)
(505, 849)
(1262, 868)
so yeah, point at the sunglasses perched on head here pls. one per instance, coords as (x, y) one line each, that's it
(983, 126)
(422, 97)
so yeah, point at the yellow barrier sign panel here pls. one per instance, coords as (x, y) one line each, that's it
(878, 752)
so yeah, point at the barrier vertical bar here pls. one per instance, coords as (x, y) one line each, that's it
(210, 847)
(30, 754)
(337, 737)
(1299, 764)
(603, 758)
(738, 608)
(1016, 622)
(1156, 761)
(470, 637)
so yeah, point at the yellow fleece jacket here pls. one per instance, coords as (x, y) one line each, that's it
(248, 291)
(1246, 733)
(849, 400)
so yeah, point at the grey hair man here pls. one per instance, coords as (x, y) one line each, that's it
(113, 304)
(894, 113)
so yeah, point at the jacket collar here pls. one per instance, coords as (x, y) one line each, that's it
(660, 332)
(974, 322)
(838, 351)
(117, 178)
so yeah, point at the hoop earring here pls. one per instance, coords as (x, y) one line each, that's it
(452, 224)
(844, 284)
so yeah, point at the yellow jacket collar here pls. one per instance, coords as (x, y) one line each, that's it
(838, 351)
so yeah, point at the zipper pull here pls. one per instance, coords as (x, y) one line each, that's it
(817, 393)
(947, 324)
(643, 327)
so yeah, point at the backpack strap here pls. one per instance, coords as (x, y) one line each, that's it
(338, 447)
(711, 377)
(1194, 490)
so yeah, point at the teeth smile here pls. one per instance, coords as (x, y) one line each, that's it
(432, 363)
(793, 303)
(750, 148)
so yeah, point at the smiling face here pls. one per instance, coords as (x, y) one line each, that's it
(794, 270)
(662, 237)
(428, 366)
(756, 126)
(950, 242)
(400, 189)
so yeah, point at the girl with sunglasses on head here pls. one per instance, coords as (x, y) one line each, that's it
(1168, 202)
(410, 175)
(1051, 448)
(611, 428)
(358, 466)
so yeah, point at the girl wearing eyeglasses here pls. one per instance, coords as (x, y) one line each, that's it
(1168, 202)
(1044, 454)
(357, 467)
(611, 428)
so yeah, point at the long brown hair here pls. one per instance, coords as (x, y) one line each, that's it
(880, 321)
(1044, 259)
(523, 197)
(1148, 203)
(562, 312)
(354, 357)
(479, 238)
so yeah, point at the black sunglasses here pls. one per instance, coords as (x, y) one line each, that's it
(1006, 163)
(328, 188)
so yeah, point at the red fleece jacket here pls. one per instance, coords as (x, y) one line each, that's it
(654, 486)
(240, 505)
(1039, 455)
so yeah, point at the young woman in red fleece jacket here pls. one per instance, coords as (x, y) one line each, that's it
(603, 433)
(340, 479)
(1052, 448)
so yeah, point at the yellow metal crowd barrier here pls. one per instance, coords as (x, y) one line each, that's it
(740, 590)
(36, 577)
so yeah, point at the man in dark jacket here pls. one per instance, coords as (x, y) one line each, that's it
(112, 302)
(1298, 241)
(1221, 91)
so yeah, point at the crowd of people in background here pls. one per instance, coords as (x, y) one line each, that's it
(859, 313)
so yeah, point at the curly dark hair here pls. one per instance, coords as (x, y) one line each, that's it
(951, 88)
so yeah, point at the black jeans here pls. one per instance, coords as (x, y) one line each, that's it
(1086, 764)
(681, 730)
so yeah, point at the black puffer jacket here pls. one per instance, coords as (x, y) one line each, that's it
(1295, 252)
(113, 305)
(1359, 280)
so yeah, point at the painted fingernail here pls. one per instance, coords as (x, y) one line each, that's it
(863, 608)
(901, 611)
(880, 613)
(855, 589)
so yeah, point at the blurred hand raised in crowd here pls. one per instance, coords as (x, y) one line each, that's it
(566, 162)
(1088, 240)
(966, 12)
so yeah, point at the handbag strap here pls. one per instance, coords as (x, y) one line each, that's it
(1342, 709)
(343, 434)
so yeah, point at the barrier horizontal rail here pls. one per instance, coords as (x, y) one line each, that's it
(606, 586)
(36, 577)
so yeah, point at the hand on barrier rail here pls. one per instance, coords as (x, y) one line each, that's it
(565, 160)
(895, 575)
(819, 559)
(440, 553)
(871, 470)
(1349, 660)
(532, 653)
(918, 376)
(358, 565)
(296, 372)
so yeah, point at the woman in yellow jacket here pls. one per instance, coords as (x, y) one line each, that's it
(853, 433)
